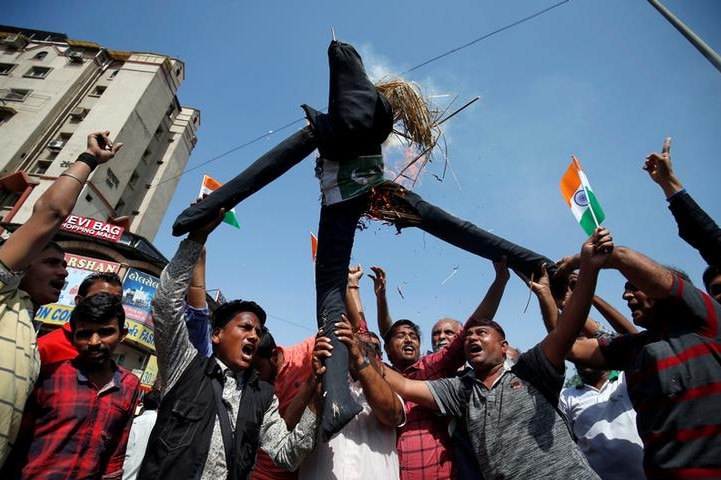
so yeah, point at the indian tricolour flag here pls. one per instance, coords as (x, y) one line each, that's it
(579, 196)
(313, 246)
(210, 185)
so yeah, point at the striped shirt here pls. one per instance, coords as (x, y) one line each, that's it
(674, 382)
(19, 359)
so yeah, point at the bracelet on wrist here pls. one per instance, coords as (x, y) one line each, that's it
(88, 159)
(353, 286)
(66, 174)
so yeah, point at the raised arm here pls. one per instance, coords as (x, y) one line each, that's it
(650, 277)
(488, 307)
(586, 352)
(53, 206)
(197, 314)
(445, 362)
(542, 289)
(694, 225)
(594, 253)
(647, 275)
(379, 287)
(175, 352)
(196, 291)
(353, 304)
(309, 390)
(384, 403)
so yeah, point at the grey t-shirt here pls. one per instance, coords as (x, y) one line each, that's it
(515, 430)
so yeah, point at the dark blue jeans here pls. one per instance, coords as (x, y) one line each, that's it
(336, 232)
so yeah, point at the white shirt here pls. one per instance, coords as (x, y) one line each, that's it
(137, 443)
(604, 423)
(363, 450)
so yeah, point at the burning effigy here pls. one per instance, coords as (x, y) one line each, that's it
(349, 138)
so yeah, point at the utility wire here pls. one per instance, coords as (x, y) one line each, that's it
(420, 65)
(483, 37)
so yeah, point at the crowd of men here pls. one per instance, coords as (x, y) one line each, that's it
(230, 403)
(233, 404)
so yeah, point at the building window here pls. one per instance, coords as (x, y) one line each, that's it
(75, 56)
(14, 94)
(42, 166)
(113, 74)
(133, 178)
(99, 90)
(37, 72)
(6, 68)
(40, 56)
(8, 198)
(111, 180)
(6, 114)
(119, 207)
(58, 144)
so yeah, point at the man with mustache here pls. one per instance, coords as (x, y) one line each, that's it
(425, 448)
(57, 346)
(510, 413)
(77, 419)
(32, 273)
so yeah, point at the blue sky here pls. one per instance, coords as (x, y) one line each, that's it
(606, 81)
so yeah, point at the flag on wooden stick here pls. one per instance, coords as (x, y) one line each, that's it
(580, 197)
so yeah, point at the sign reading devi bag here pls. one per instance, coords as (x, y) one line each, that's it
(92, 228)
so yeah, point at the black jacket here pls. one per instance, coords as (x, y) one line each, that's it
(180, 440)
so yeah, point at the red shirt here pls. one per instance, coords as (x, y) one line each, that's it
(296, 370)
(73, 429)
(57, 346)
(425, 450)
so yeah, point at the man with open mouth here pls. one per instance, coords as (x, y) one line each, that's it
(215, 411)
(500, 405)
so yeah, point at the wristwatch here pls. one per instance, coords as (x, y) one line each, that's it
(366, 362)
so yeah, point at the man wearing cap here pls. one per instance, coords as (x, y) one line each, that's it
(215, 411)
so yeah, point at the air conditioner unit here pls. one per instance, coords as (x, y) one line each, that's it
(76, 56)
(15, 41)
(79, 112)
(56, 145)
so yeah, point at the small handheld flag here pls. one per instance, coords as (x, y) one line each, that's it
(209, 185)
(313, 246)
(579, 196)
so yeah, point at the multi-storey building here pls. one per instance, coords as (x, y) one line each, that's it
(53, 92)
